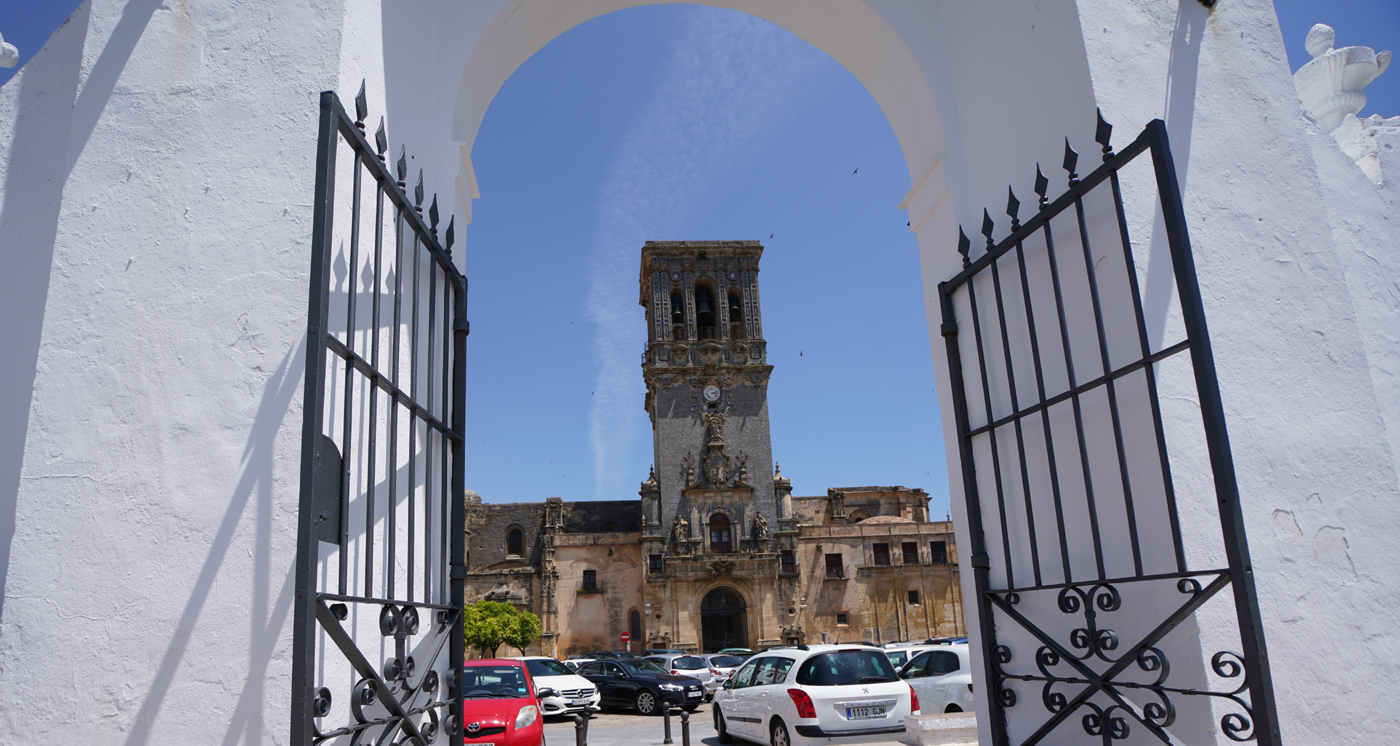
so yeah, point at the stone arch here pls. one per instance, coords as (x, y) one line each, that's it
(723, 618)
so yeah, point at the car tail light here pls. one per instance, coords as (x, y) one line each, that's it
(675, 672)
(713, 672)
(969, 687)
(913, 700)
(805, 708)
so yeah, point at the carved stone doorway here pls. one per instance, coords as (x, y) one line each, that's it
(723, 621)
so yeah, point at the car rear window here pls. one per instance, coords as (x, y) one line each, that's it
(725, 661)
(846, 667)
(688, 663)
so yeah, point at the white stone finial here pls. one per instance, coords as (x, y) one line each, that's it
(1330, 85)
(1320, 38)
(9, 55)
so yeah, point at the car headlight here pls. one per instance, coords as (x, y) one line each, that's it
(527, 717)
(673, 687)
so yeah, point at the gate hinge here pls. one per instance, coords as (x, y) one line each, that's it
(462, 325)
(459, 572)
(949, 328)
(981, 560)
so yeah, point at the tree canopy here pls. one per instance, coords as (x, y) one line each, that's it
(486, 625)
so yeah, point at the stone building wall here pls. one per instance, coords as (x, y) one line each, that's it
(594, 619)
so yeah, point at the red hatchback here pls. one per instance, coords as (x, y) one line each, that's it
(500, 706)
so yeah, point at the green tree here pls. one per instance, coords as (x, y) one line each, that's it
(487, 624)
(526, 630)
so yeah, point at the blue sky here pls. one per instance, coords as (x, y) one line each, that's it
(680, 122)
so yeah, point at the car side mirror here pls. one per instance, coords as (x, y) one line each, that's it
(545, 692)
(729, 683)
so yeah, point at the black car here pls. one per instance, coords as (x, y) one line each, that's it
(643, 685)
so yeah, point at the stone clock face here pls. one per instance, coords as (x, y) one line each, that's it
(711, 393)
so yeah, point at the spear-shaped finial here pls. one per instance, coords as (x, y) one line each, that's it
(1071, 158)
(1041, 184)
(381, 139)
(964, 246)
(402, 165)
(987, 226)
(433, 215)
(361, 106)
(1013, 206)
(1103, 134)
(418, 192)
(451, 233)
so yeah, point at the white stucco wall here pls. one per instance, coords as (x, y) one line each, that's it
(156, 220)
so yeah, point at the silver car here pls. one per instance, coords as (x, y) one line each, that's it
(694, 666)
(722, 666)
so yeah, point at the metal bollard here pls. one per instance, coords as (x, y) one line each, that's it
(666, 718)
(685, 728)
(580, 730)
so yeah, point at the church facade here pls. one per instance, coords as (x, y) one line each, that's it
(716, 551)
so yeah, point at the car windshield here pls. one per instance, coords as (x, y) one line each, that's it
(547, 667)
(493, 681)
(688, 663)
(628, 655)
(898, 658)
(643, 667)
(725, 661)
(846, 667)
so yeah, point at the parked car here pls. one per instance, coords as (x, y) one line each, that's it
(942, 677)
(643, 685)
(686, 665)
(722, 666)
(809, 695)
(572, 693)
(905, 653)
(500, 704)
(662, 651)
(742, 653)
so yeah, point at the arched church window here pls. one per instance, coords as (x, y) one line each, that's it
(677, 308)
(706, 314)
(635, 625)
(515, 541)
(736, 316)
(858, 516)
(720, 540)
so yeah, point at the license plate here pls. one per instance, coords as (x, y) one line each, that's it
(577, 702)
(692, 695)
(864, 713)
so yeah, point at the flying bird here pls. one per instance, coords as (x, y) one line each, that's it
(770, 235)
(853, 173)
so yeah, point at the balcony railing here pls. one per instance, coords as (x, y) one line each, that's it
(678, 332)
(836, 573)
(882, 560)
(707, 332)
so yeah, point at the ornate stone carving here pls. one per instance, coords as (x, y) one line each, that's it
(760, 528)
(721, 567)
(680, 532)
(1330, 87)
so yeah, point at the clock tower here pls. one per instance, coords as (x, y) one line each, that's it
(712, 490)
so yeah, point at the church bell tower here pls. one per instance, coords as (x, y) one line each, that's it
(706, 371)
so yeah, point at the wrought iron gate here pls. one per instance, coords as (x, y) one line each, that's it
(1085, 579)
(378, 644)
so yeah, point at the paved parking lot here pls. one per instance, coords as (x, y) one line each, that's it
(626, 728)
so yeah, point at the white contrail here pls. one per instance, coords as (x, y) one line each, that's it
(729, 83)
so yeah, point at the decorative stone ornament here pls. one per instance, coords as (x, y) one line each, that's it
(9, 54)
(1330, 87)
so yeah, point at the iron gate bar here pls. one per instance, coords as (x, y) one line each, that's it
(1222, 462)
(1082, 388)
(308, 705)
(1260, 719)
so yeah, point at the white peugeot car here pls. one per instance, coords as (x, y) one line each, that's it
(572, 693)
(814, 695)
(942, 677)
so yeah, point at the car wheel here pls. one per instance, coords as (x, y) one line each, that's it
(953, 708)
(723, 732)
(779, 733)
(645, 702)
